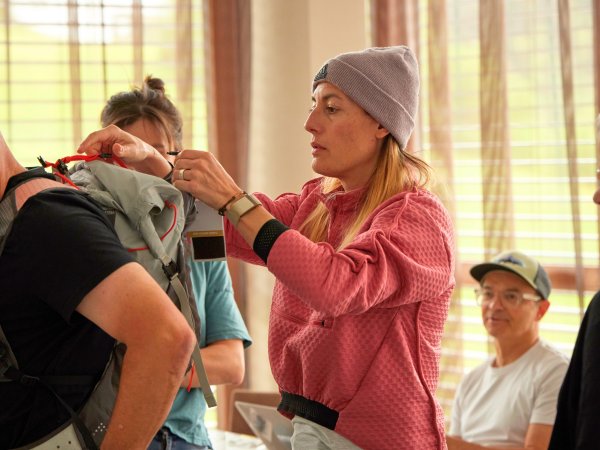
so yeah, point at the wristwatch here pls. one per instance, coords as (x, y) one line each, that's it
(241, 206)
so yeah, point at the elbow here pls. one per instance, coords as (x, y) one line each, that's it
(237, 375)
(236, 369)
(187, 341)
(180, 344)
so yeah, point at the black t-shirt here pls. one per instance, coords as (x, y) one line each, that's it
(60, 247)
(578, 407)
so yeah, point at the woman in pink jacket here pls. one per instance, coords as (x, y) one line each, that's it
(363, 260)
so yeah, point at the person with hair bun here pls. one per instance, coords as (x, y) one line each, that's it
(149, 114)
(363, 259)
(149, 110)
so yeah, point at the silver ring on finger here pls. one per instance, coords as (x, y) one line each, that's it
(182, 174)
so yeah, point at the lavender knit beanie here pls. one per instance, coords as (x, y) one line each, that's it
(384, 81)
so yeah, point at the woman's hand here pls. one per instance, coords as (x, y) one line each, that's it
(136, 153)
(200, 174)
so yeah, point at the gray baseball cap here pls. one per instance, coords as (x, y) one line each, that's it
(520, 264)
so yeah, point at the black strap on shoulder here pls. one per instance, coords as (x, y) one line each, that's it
(23, 177)
(28, 380)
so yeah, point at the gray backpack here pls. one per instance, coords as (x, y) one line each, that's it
(149, 218)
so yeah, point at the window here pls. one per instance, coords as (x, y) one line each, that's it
(61, 60)
(536, 194)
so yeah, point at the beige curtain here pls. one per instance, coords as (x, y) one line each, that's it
(228, 86)
(75, 71)
(137, 23)
(564, 22)
(395, 22)
(184, 56)
(495, 141)
(7, 58)
(440, 119)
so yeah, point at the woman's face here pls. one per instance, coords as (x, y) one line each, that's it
(345, 140)
(151, 133)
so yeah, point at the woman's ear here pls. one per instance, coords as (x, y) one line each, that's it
(381, 132)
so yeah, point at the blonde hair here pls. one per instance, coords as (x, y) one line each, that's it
(396, 171)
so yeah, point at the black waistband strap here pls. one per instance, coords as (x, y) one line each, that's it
(17, 375)
(308, 409)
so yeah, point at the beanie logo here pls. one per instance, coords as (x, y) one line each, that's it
(322, 73)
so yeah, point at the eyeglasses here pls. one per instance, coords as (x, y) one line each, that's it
(510, 299)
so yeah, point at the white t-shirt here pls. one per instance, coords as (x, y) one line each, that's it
(495, 405)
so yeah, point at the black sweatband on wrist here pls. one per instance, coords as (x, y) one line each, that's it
(266, 237)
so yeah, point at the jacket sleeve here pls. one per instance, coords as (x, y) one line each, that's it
(403, 254)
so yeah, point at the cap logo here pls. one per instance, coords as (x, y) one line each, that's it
(511, 259)
(322, 73)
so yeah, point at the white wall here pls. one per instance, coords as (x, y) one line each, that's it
(291, 39)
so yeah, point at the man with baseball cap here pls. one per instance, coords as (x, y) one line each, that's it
(510, 400)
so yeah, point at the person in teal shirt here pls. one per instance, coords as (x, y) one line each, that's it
(148, 114)
(222, 322)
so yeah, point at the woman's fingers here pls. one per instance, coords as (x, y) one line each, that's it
(98, 141)
(200, 174)
(114, 140)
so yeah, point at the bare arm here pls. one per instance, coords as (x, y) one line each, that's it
(223, 361)
(537, 438)
(130, 306)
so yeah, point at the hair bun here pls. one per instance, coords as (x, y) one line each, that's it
(156, 84)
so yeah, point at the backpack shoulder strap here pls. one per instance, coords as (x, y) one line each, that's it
(30, 183)
(186, 310)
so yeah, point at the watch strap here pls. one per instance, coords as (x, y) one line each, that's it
(241, 206)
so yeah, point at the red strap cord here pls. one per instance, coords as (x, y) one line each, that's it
(59, 168)
(192, 371)
(109, 157)
(169, 205)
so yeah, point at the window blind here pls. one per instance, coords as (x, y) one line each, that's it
(549, 205)
(61, 60)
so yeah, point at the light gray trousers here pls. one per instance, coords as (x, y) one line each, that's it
(311, 436)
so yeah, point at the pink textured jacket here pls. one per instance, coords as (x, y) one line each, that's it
(359, 330)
